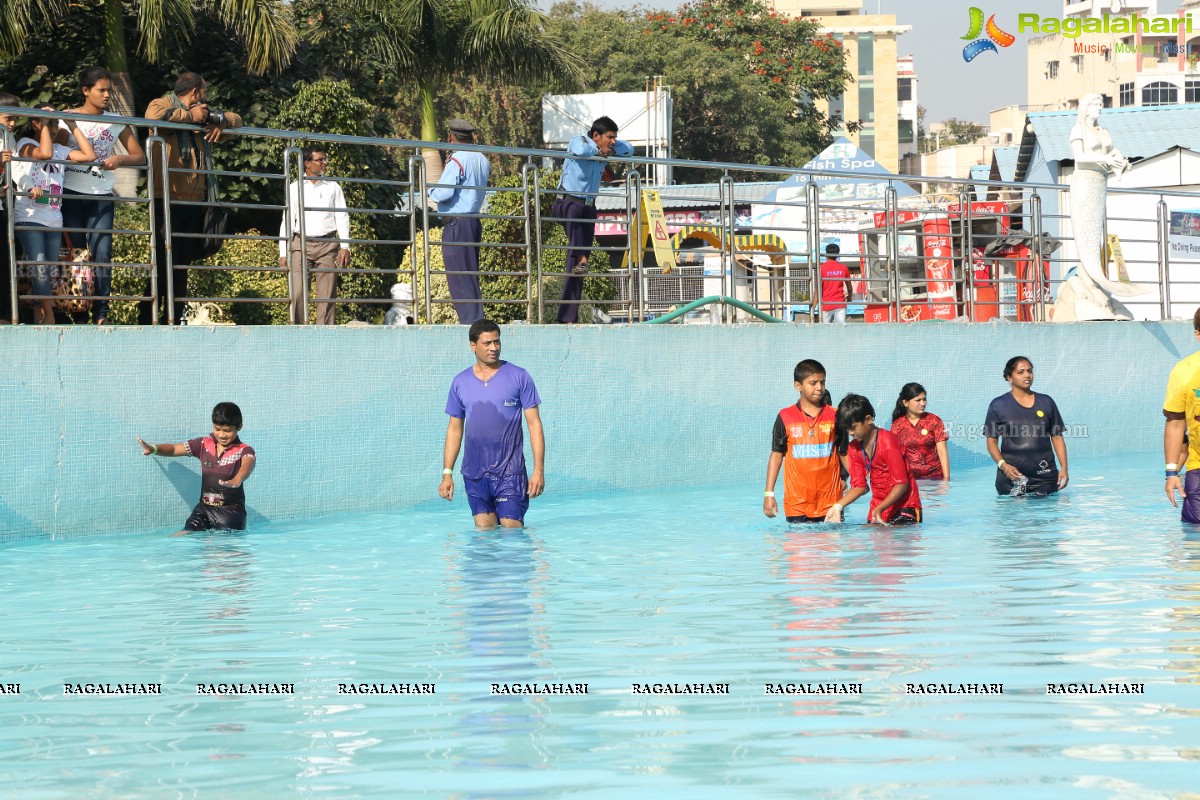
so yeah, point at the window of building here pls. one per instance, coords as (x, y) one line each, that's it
(906, 131)
(1106, 100)
(866, 54)
(903, 89)
(1077, 63)
(1052, 69)
(1191, 91)
(866, 100)
(1126, 95)
(1108, 54)
(1160, 93)
(866, 141)
(837, 107)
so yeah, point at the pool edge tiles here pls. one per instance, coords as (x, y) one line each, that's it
(352, 419)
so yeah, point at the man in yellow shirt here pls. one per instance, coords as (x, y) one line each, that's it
(1182, 410)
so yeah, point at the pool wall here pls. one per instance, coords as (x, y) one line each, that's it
(351, 419)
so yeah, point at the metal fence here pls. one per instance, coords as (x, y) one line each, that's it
(757, 235)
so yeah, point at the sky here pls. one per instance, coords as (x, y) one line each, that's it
(947, 86)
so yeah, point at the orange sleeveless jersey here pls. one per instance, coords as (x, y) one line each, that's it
(812, 479)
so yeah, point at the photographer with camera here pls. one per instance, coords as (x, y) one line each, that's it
(187, 152)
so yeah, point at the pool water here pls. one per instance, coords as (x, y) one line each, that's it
(1098, 585)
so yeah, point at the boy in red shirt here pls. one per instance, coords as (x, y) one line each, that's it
(835, 286)
(878, 455)
(802, 443)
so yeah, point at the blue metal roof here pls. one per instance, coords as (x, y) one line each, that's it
(1137, 132)
(1004, 163)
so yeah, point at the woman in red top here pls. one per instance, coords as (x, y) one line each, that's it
(922, 434)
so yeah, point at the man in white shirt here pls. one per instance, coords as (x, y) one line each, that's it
(322, 222)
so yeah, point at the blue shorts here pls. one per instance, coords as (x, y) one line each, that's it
(506, 496)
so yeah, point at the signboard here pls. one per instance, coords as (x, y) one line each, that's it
(1184, 236)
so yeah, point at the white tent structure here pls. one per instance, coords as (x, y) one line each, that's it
(643, 119)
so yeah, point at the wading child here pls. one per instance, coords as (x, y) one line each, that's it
(225, 462)
(802, 442)
(877, 456)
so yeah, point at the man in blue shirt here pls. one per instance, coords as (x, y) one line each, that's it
(461, 198)
(487, 402)
(576, 205)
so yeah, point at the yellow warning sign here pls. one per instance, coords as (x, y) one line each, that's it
(654, 225)
(1112, 252)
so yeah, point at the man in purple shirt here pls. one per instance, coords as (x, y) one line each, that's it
(486, 403)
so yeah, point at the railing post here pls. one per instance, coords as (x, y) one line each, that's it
(1035, 216)
(729, 250)
(633, 239)
(412, 200)
(1164, 259)
(892, 226)
(419, 180)
(167, 249)
(812, 197)
(288, 154)
(10, 240)
(967, 261)
(531, 200)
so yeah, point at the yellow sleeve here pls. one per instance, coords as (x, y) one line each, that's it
(1179, 386)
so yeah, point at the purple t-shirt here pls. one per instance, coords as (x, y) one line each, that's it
(493, 440)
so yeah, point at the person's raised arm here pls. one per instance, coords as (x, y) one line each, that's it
(454, 436)
(83, 150)
(44, 149)
(582, 146)
(169, 450)
(134, 156)
(537, 442)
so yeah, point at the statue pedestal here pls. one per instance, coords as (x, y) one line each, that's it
(1076, 304)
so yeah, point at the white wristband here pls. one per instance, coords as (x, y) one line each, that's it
(447, 471)
(836, 507)
(1000, 464)
(1172, 466)
(768, 494)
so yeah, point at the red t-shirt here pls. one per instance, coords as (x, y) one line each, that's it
(920, 444)
(886, 468)
(833, 285)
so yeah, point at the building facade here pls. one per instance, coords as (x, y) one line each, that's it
(1125, 51)
(873, 100)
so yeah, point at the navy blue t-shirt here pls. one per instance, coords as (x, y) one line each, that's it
(1024, 435)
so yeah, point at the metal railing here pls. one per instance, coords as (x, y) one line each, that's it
(912, 255)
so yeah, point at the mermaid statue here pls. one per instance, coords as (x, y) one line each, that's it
(1087, 294)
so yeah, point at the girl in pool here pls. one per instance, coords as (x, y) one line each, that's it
(1024, 436)
(922, 434)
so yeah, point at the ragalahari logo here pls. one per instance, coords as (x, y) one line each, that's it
(995, 36)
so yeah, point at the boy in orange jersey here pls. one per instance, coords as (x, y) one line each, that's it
(802, 442)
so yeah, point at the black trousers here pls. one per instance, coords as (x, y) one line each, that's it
(184, 219)
(5, 271)
(460, 252)
(580, 227)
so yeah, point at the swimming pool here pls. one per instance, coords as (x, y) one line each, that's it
(1100, 585)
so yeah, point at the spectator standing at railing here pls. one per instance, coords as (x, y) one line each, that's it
(835, 286)
(37, 213)
(7, 146)
(576, 205)
(321, 222)
(468, 172)
(187, 152)
(88, 188)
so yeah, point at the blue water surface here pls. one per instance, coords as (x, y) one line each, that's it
(1098, 585)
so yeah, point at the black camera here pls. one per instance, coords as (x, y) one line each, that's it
(217, 118)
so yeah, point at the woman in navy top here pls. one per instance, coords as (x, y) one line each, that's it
(1024, 436)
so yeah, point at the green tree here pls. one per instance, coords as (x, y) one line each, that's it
(742, 77)
(438, 42)
(263, 27)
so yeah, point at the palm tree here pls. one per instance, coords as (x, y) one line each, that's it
(264, 28)
(501, 40)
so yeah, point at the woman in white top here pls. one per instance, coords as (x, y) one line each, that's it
(37, 212)
(88, 188)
